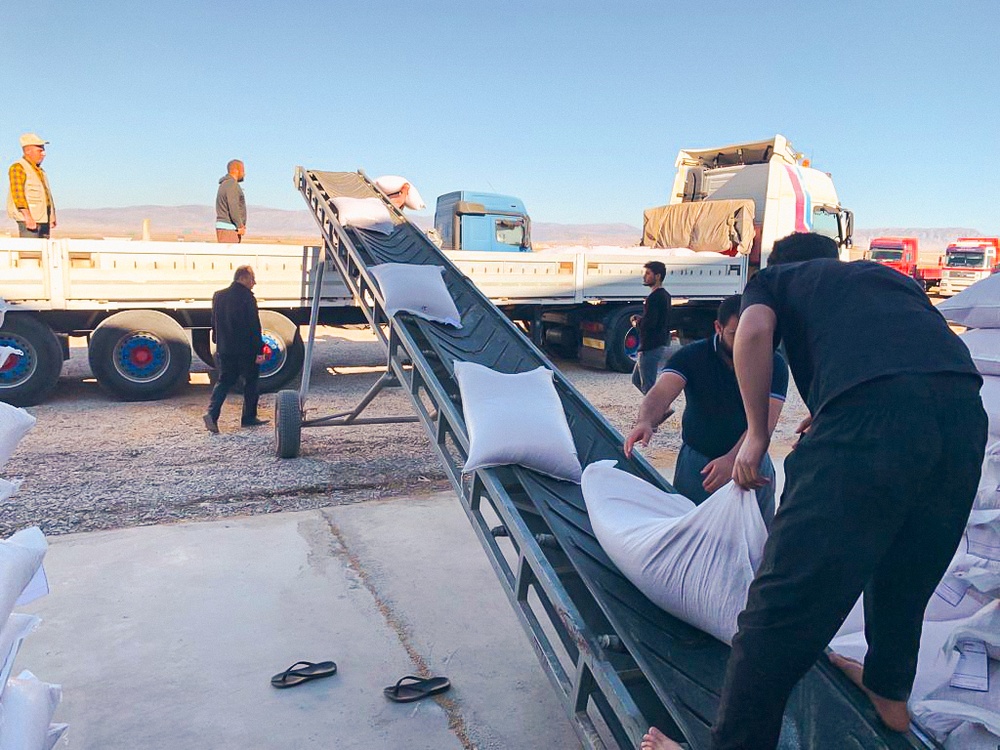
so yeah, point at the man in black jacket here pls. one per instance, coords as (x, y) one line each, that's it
(239, 347)
(654, 327)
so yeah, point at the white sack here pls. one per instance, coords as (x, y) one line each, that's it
(364, 213)
(8, 487)
(988, 494)
(976, 307)
(516, 419)
(393, 183)
(991, 402)
(984, 346)
(11, 637)
(6, 351)
(971, 737)
(984, 626)
(983, 533)
(55, 733)
(27, 708)
(20, 560)
(695, 562)
(14, 425)
(416, 289)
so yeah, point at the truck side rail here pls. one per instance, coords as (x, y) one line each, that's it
(617, 661)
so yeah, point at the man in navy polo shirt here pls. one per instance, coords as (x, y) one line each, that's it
(714, 422)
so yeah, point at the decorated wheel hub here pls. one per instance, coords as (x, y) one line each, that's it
(632, 344)
(141, 357)
(274, 354)
(18, 368)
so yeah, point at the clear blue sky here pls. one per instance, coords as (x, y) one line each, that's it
(579, 108)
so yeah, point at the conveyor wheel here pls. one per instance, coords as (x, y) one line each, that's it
(287, 424)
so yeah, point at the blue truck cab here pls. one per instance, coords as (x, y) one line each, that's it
(488, 222)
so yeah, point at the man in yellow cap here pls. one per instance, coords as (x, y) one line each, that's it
(29, 201)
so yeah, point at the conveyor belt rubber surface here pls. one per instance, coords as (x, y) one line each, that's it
(682, 666)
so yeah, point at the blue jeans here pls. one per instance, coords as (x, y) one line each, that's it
(688, 480)
(647, 368)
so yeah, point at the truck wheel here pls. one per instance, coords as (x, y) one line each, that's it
(283, 351)
(140, 355)
(25, 380)
(616, 334)
(287, 424)
(201, 342)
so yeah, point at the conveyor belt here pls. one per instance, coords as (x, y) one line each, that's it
(619, 662)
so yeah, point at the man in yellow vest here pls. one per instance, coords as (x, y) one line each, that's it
(29, 201)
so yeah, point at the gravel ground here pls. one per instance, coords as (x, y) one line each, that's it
(96, 463)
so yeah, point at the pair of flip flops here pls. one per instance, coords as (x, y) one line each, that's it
(303, 671)
(412, 688)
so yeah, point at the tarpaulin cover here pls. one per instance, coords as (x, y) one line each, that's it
(714, 226)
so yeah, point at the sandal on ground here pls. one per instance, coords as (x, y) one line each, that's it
(411, 688)
(303, 671)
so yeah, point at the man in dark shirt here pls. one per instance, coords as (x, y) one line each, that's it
(653, 325)
(714, 421)
(239, 347)
(877, 492)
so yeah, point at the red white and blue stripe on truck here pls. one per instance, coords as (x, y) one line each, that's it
(803, 202)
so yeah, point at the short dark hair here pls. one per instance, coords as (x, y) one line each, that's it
(802, 246)
(729, 307)
(657, 268)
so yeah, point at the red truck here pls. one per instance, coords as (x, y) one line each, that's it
(902, 254)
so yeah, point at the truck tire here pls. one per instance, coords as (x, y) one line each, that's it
(616, 329)
(283, 351)
(287, 424)
(140, 355)
(201, 342)
(26, 380)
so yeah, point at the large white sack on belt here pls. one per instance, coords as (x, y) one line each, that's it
(14, 425)
(695, 562)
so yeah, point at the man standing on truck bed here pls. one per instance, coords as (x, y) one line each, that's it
(239, 347)
(231, 205)
(29, 201)
(714, 423)
(877, 492)
(653, 325)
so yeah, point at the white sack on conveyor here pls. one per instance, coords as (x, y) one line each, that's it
(55, 733)
(991, 402)
(984, 346)
(27, 708)
(364, 213)
(18, 627)
(417, 289)
(988, 493)
(516, 419)
(984, 626)
(393, 183)
(20, 561)
(695, 562)
(7, 351)
(983, 533)
(976, 307)
(14, 425)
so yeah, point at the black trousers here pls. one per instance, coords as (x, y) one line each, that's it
(876, 498)
(231, 367)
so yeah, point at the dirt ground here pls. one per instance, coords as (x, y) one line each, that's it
(96, 463)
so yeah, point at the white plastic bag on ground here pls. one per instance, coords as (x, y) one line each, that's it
(20, 560)
(694, 562)
(11, 637)
(14, 425)
(393, 183)
(27, 708)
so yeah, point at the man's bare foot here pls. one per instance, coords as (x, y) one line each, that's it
(654, 739)
(894, 714)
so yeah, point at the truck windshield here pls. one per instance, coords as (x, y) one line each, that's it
(965, 258)
(885, 253)
(510, 232)
(825, 223)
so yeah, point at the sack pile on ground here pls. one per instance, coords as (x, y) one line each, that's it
(26, 703)
(965, 607)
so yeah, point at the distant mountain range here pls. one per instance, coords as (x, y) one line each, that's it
(194, 223)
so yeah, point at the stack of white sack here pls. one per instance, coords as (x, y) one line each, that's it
(695, 562)
(14, 425)
(26, 703)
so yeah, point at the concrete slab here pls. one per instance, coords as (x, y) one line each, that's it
(167, 636)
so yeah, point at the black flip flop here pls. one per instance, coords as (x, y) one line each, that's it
(303, 671)
(416, 688)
